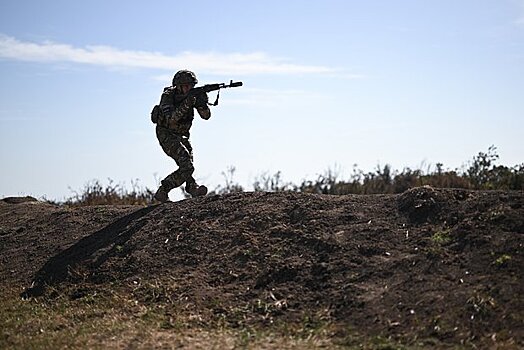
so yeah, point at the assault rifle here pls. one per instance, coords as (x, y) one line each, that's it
(213, 87)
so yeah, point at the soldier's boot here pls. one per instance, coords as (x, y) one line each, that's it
(161, 194)
(196, 190)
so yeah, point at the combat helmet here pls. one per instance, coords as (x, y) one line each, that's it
(184, 77)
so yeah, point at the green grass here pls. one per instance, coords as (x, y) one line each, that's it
(441, 237)
(502, 260)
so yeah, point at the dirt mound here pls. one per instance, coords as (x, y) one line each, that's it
(18, 200)
(429, 263)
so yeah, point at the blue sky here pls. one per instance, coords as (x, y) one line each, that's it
(326, 84)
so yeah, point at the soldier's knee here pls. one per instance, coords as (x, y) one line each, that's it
(187, 168)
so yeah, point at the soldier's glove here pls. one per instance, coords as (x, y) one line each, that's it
(201, 100)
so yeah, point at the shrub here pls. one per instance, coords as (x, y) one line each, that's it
(482, 174)
(94, 193)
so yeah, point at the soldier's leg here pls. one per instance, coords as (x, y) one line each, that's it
(182, 156)
(174, 146)
(191, 186)
(190, 179)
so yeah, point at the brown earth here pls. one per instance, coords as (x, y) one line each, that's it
(439, 266)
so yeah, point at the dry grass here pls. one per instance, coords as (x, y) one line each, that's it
(111, 320)
(94, 193)
(482, 173)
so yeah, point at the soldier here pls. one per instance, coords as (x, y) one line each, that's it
(174, 117)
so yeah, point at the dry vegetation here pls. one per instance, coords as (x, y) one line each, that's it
(482, 173)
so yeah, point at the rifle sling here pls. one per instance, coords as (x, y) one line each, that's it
(216, 100)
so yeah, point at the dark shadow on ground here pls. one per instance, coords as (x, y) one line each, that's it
(57, 269)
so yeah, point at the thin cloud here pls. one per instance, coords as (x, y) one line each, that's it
(520, 4)
(209, 63)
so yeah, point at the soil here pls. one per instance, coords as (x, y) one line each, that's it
(442, 264)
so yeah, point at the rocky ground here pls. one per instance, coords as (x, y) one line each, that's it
(429, 267)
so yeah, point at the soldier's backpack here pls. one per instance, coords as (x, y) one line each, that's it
(157, 113)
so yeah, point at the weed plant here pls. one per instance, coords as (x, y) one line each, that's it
(94, 193)
(482, 173)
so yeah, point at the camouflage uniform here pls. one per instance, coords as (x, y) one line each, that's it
(174, 118)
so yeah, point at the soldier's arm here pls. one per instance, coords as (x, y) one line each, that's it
(183, 108)
(166, 105)
(204, 112)
(202, 107)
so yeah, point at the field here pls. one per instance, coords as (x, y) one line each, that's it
(422, 269)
